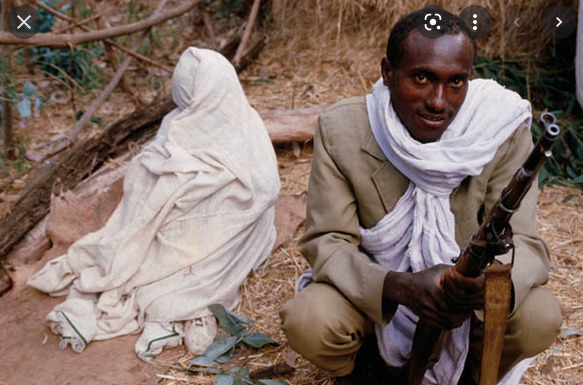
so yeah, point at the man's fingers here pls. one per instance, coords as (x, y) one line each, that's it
(467, 284)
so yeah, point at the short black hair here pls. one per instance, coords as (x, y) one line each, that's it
(452, 25)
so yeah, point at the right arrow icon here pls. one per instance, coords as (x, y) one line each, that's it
(558, 21)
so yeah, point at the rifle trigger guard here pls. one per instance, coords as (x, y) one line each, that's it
(506, 209)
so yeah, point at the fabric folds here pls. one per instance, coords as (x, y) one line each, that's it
(196, 217)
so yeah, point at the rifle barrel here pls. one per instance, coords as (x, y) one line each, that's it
(490, 240)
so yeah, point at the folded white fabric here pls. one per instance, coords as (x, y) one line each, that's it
(157, 336)
(514, 376)
(74, 321)
(196, 217)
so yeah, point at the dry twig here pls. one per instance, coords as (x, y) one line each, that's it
(76, 129)
(77, 24)
(247, 33)
(64, 40)
(108, 41)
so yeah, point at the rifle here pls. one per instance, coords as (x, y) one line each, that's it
(494, 237)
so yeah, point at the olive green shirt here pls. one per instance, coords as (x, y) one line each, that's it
(352, 185)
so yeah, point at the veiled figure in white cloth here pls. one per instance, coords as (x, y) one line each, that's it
(196, 217)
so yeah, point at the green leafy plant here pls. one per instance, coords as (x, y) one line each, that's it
(240, 330)
(566, 164)
(549, 84)
(75, 64)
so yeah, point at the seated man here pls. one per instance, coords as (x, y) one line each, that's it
(400, 180)
(196, 216)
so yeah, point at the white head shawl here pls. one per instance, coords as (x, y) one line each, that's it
(196, 216)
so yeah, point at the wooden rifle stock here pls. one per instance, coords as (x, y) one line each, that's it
(494, 237)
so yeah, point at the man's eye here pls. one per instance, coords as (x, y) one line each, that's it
(457, 82)
(420, 78)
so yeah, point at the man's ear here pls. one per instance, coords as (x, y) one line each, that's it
(386, 71)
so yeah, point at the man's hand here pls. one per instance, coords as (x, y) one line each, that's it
(439, 295)
(463, 293)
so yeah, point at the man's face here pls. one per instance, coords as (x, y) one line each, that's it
(430, 83)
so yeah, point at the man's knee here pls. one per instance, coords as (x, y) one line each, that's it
(536, 323)
(305, 327)
(324, 328)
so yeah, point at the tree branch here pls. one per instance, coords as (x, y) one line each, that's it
(74, 131)
(79, 23)
(108, 41)
(65, 40)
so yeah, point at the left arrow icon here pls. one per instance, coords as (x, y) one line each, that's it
(516, 22)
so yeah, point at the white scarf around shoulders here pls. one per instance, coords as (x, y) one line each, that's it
(421, 227)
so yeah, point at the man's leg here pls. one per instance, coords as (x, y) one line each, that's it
(531, 329)
(325, 328)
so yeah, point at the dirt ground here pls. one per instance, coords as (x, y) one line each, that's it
(30, 353)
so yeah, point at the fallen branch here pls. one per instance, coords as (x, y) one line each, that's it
(66, 40)
(285, 126)
(68, 169)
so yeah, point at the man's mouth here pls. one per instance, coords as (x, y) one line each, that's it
(433, 118)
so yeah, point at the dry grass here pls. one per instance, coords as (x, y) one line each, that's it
(326, 24)
(560, 213)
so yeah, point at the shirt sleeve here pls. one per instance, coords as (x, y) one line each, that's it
(332, 237)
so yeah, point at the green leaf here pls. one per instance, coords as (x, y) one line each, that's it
(29, 89)
(258, 340)
(202, 361)
(240, 318)
(38, 105)
(243, 381)
(229, 321)
(578, 180)
(271, 382)
(224, 358)
(242, 375)
(220, 347)
(24, 107)
(225, 379)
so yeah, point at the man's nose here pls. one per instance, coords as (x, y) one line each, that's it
(435, 101)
